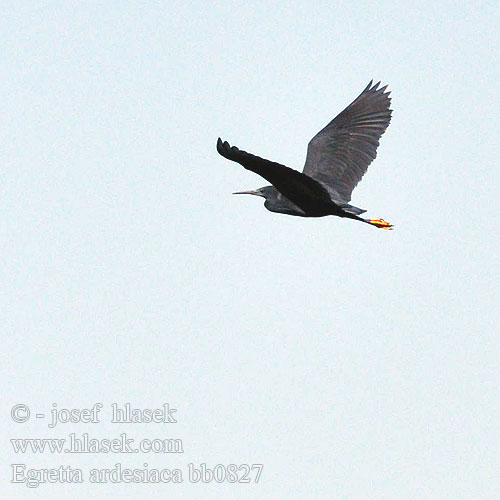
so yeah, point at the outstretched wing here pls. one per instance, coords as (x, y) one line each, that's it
(302, 190)
(339, 155)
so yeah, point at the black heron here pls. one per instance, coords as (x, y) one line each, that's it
(337, 158)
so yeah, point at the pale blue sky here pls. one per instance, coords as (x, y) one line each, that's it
(353, 363)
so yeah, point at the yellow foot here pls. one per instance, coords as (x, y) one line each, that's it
(381, 223)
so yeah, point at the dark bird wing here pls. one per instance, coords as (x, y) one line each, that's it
(302, 190)
(338, 156)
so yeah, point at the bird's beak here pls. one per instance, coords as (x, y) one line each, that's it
(255, 192)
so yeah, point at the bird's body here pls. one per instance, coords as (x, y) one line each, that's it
(337, 158)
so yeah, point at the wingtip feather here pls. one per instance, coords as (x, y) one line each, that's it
(222, 147)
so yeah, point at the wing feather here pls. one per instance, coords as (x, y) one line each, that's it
(339, 155)
(297, 187)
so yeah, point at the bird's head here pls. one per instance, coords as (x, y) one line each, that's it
(275, 202)
(265, 191)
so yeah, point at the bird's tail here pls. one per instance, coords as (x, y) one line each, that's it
(352, 209)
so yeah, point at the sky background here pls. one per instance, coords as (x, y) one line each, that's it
(352, 363)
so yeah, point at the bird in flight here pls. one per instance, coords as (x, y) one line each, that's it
(337, 158)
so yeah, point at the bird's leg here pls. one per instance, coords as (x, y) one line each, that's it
(381, 223)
